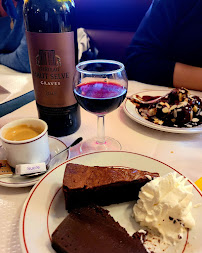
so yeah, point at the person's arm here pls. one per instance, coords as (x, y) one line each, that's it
(19, 59)
(150, 56)
(187, 76)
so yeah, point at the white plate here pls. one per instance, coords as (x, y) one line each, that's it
(55, 146)
(44, 208)
(131, 110)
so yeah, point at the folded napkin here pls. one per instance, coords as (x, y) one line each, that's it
(13, 84)
(4, 93)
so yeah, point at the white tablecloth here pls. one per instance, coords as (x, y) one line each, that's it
(181, 151)
(13, 84)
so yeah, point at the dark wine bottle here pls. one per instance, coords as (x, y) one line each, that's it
(52, 45)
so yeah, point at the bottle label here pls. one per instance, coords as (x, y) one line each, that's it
(52, 60)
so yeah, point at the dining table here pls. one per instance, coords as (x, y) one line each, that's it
(181, 151)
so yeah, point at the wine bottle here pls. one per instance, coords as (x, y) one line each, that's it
(52, 46)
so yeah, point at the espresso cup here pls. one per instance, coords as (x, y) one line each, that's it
(25, 141)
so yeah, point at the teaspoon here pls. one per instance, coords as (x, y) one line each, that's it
(48, 164)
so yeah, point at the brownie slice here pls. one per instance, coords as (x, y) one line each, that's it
(93, 230)
(84, 185)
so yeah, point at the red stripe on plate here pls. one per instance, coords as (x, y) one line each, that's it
(37, 185)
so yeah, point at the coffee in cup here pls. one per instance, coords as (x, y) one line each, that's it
(22, 132)
(25, 141)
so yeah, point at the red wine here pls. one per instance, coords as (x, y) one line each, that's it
(52, 46)
(100, 97)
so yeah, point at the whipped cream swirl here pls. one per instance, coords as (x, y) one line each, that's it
(165, 205)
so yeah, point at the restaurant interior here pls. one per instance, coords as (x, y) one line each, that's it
(136, 187)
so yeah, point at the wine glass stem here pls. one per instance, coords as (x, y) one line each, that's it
(100, 130)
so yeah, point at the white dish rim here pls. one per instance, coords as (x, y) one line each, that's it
(25, 206)
(132, 112)
(31, 181)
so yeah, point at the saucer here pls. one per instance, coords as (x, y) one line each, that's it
(55, 146)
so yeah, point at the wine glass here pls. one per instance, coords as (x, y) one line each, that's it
(100, 86)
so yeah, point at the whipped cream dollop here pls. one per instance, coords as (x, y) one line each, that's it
(165, 205)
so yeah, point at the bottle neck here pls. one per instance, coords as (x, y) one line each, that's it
(49, 16)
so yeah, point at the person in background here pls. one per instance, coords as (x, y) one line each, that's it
(167, 47)
(13, 46)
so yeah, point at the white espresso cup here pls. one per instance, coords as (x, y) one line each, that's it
(28, 151)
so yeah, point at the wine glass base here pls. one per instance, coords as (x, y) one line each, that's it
(92, 145)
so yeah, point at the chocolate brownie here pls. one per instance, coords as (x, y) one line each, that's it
(93, 230)
(84, 185)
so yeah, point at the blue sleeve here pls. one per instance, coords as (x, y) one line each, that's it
(19, 59)
(149, 57)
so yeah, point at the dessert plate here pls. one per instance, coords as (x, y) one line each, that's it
(131, 110)
(44, 208)
(55, 146)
